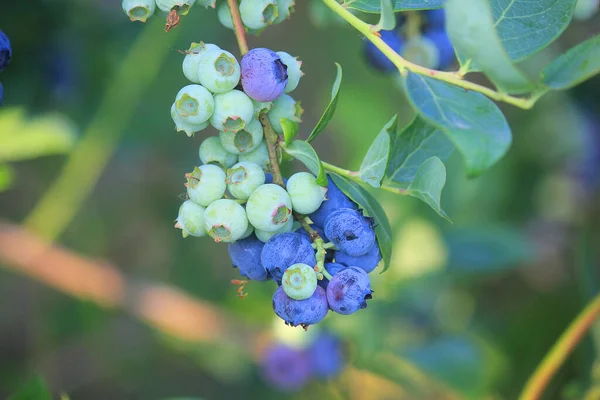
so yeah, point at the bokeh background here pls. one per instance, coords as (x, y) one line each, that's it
(122, 307)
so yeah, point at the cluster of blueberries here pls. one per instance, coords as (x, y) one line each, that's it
(431, 47)
(290, 368)
(256, 15)
(5, 56)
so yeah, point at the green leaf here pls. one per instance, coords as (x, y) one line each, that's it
(387, 20)
(374, 6)
(413, 145)
(375, 162)
(330, 110)
(290, 129)
(7, 176)
(471, 28)
(304, 152)
(373, 209)
(23, 137)
(575, 66)
(473, 123)
(428, 184)
(35, 388)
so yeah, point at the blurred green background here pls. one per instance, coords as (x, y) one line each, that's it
(467, 310)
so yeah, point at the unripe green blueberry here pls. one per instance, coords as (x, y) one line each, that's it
(206, 184)
(284, 9)
(243, 178)
(258, 14)
(182, 125)
(191, 219)
(284, 107)
(195, 104)
(305, 193)
(293, 70)
(269, 207)
(168, 5)
(264, 236)
(299, 281)
(586, 9)
(212, 152)
(259, 156)
(218, 70)
(192, 58)
(225, 220)
(261, 106)
(422, 51)
(249, 231)
(224, 15)
(139, 10)
(244, 140)
(206, 3)
(233, 110)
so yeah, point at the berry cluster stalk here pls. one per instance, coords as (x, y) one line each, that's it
(238, 26)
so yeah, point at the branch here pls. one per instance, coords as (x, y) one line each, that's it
(271, 139)
(238, 26)
(355, 176)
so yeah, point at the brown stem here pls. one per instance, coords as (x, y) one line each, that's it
(271, 139)
(238, 26)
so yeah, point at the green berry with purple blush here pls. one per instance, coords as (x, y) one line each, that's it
(195, 104)
(218, 70)
(206, 184)
(243, 179)
(192, 58)
(284, 107)
(244, 140)
(258, 14)
(212, 152)
(225, 220)
(139, 10)
(269, 207)
(307, 196)
(293, 70)
(190, 219)
(233, 110)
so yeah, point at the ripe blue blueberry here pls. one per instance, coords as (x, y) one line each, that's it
(264, 236)
(192, 58)
(300, 312)
(194, 104)
(444, 47)
(190, 219)
(284, 107)
(293, 70)
(259, 156)
(233, 110)
(224, 15)
(225, 220)
(326, 356)
(284, 9)
(350, 231)
(258, 14)
(264, 75)
(286, 368)
(5, 51)
(349, 290)
(243, 178)
(168, 5)
(435, 19)
(245, 255)
(218, 70)
(243, 141)
(205, 184)
(284, 250)
(181, 124)
(379, 60)
(138, 10)
(269, 207)
(367, 262)
(336, 199)
(299, 281)
(212, 152)
(305, 193)
(332, 268)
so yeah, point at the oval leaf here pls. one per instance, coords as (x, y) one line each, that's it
(575, 66)
(373, 209)
(330, 110)
(290, 129)
(375, 162)
(303, 152)
(473, 123)
(428, 184)
(374, 6)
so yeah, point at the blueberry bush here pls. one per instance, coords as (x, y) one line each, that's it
(319, 239)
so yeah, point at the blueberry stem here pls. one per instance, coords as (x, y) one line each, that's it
(238, 26)
(355, 176)
(271, 138)
(453, 78)
(318, 243)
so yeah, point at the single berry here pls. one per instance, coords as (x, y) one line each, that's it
(284, 250)
(258, 14)
(212, 152)
(194, 104)
(305, 193)
(5, 51)
(225, 220)
(183, 6)
(243, 141)
(435, 19)
(350, 231)
(205, 184)
(284, 107)
(264, 236)
(376, 58)
(286, 368)
(336, 199)
(293, 70)
(586, 9)
(349, 290)
(192, 58)
(206, 3)
(300, 312)
(269, 207)
(259, 155)
(181, 123)
(264, 75)
(261, 107)
(299, 281)
(139, 10)
(332, 268)
(191, 219)
(367, 262)
(233, 110)
(445, 49)
(245, 255)
(284, 9)
(326, 356)
(244, 178)
(218, 70)
(224, 15)
(421, 50)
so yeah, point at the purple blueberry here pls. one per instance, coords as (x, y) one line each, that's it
(245, 255)
(435, 19)
(335, 199)
(264, 75)
(367, 262)
(316, 228)
(332, 268)
(285, 368)
(5, 51)
(326, 356)
(444, 47)
(350, 231)
(301, 312)
(379, 60)
(349, 291)
(284, 250)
